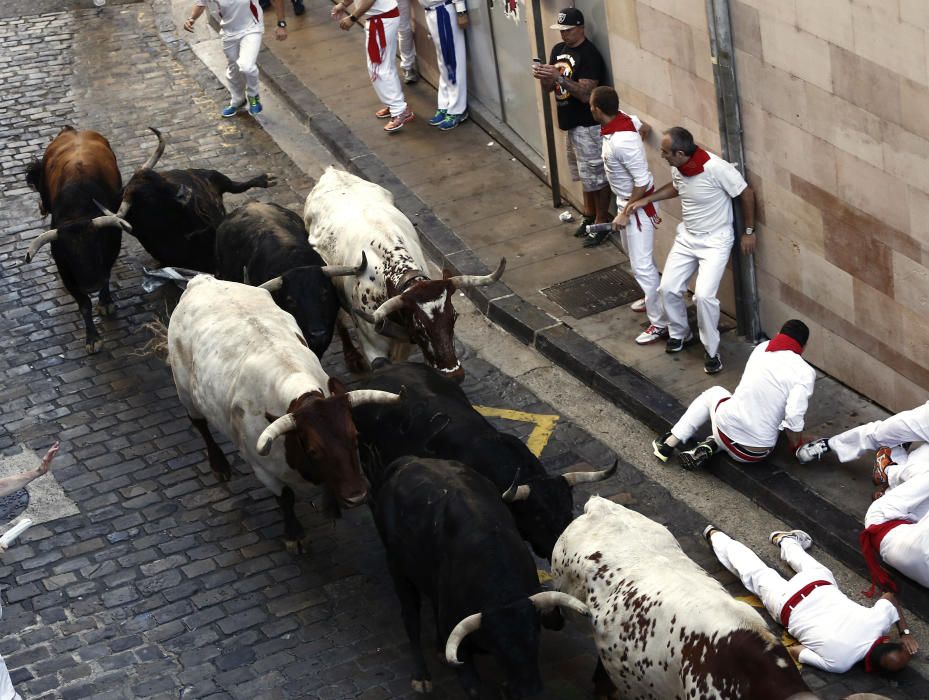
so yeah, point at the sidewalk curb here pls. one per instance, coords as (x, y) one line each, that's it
(768, 485)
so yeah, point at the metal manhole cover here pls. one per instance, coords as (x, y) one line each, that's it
(595, 292)
(13, 505)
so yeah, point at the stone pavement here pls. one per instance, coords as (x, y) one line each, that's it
(489, 205)
(166, 584)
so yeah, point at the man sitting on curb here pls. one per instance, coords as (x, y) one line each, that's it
(773, 393)
(905, 427)
(897, 523)
(834, 632)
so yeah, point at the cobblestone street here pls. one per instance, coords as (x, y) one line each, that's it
(167, 584)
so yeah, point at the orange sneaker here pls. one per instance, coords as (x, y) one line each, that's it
(383, 113)
(396, 123)
(882, 460)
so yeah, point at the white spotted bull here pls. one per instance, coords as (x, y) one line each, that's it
(394, 303)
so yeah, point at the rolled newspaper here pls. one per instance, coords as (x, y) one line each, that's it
(19, 528)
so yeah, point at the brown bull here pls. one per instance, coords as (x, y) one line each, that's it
(77, 174)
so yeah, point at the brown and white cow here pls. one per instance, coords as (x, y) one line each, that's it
(77, 174)
(393, 303)
(241, 365)
(664, 628)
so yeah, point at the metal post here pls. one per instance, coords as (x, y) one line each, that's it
(547, 108)
(722, 53)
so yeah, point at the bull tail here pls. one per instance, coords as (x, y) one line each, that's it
(157, 345)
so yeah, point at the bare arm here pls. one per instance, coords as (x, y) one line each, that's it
(280, 33)
(909, 642)
(11, 484)
(623, 218)
(666, 191)
(645, 130)
(194, 15)
(747, 202)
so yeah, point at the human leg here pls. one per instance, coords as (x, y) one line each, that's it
(405, 40)
(908, 501)
(756, 576)
(233, 73)
(800, 561)
(638, 239)
(713, 255)
(698, 413)
(907, 426)
(384, 76)
(678, 269)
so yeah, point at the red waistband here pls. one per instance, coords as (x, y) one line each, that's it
(734, 447)
(795, 599)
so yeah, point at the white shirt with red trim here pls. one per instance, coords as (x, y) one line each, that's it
(625, 162)
(236, 17)
(772, 394)
(836, 631)
(706, 198)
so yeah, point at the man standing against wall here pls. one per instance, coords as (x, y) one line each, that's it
(706, 185)
(446, 21)
(574, 69)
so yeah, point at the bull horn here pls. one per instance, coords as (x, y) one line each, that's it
(470, 624)
(159, 149)
(516, 493)
(110, 219)
(546, 600)
(284, 424)
(575, 478)
(40, 241)
(387, 308)
(462, 281)
(345, 270)
(386, 327)
(273, 284)
(360, 397)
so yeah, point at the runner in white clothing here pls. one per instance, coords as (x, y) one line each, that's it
(627, 172)
(772, 395)
(706, 185)
(381, 19)
(446, 21)
(834, 632)
(241, 25)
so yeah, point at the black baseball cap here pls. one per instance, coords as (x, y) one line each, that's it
(569, 18)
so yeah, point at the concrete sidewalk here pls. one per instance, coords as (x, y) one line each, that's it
(473, 202)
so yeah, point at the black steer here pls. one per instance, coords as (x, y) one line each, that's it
(174, 213)
(266, 245)
(449, 537)
(437, 420)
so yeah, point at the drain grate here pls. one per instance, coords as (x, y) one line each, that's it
(13, 505)
(595, 292)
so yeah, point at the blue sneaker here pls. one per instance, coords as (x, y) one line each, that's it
(254, 105)
(451, 121)
(438, 117)
(232, 110)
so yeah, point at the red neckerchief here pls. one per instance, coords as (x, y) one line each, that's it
(782, 341)
(621, 122)
(870, 542)
(868, 667)
(694, 166)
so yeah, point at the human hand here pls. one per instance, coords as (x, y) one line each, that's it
(189, 24)
(633, 207)
(47, 459)
(748, 244)
(280, 33)
(620, 221)
(345, 23)
(337, 10)
(910, 644)
(463, 20)
(543, 71)
(2, 548)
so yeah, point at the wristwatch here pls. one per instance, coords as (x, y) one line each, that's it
(749, 231)
(353, 19)
(905, 631)
(282, 24)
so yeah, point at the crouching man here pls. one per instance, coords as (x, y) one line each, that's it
(773, 394)
(834, 632)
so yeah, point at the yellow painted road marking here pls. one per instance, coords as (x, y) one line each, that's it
(786, 639)
(540, 435)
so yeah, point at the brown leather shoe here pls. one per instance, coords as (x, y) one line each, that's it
(882, 460)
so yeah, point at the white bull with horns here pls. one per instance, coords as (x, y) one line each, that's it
(394, 304)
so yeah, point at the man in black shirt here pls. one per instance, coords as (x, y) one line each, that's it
(575, 68)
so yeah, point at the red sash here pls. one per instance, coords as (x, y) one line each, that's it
(795, 599)
(870, 541)
(377, 40)
(694, 166)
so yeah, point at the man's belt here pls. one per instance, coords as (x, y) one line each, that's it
(746, 454)
(795, 599)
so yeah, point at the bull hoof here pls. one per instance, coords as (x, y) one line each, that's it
(269, 180)
(93, 346)
(300, 546)
(223, 477)
(421, 686)
(106, 309)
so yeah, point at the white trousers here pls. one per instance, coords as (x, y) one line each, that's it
(906, 547)
(453, 97)
(242, 66)
(908, 426)
(766, 583)
(638, 239)
(405, 36)
(384, 75)
(701, 410)
(707, 256)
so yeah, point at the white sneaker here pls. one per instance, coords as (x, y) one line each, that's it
(638, 306)
(803, 539)
(652, 334)
(813, 450)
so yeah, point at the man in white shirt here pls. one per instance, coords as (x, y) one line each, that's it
(772, 395)
(241, 25)
(381, 20)
(834, 632)
(630, 179)
(706, 185)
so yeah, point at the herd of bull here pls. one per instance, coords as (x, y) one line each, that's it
(454, 500)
